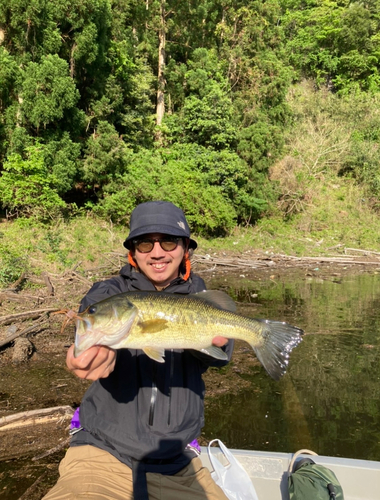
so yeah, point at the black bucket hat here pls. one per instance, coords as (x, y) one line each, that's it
(158, 217)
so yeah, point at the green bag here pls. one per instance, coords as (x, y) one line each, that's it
(311, 481)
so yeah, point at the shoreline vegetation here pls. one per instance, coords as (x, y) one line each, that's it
(89, 247)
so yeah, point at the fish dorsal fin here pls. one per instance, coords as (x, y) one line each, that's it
(153, 325)
(217, 298)
(155, 353)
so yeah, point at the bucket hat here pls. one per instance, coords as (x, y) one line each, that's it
(158, 217)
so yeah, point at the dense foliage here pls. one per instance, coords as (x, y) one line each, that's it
(107, 103)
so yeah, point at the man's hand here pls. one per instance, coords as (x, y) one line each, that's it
(94, 363)
(219, 341)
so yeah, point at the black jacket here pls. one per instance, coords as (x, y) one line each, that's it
(145, 410)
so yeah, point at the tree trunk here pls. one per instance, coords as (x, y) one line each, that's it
(72, 60)
(160, 110)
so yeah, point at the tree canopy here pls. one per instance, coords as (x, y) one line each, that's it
(107, 103)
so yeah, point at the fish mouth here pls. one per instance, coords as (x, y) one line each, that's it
(88, 336)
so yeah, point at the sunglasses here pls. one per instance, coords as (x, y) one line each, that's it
(167, 243)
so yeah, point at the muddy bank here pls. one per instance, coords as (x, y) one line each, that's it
(31, 451)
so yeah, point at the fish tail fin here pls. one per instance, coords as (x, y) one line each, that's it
(278, 341)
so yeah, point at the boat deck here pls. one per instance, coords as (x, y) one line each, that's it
(360, 479)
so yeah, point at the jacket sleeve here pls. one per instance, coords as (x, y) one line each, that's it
(102, 290)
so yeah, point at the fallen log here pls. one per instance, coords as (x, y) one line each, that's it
(10, 318)
(32, 417)
(277, 259)
(48, 283)
(59, 446)
(14, 336)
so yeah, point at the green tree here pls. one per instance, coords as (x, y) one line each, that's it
(207, 115)
(27, 188)
(336, 43)
(47, 91)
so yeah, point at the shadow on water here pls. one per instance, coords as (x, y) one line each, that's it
(329, 400)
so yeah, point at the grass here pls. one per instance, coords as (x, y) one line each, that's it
(81, 243)
(336, 217)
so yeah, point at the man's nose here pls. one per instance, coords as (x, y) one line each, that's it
(157, 251)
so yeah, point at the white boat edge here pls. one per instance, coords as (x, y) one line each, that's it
(360, 479)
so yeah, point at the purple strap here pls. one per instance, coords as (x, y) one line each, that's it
(75, 422)
(195, 444)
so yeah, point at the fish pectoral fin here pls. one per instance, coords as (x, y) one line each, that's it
(153, 325)
(155, 353)
(215, 352)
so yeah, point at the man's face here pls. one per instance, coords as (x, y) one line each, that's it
(158, 265)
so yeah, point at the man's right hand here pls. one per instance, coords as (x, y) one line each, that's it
(94, 363)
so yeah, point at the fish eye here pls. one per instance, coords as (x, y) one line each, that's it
(92, 309)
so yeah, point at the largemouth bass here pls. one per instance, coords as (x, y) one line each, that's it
(156, 321)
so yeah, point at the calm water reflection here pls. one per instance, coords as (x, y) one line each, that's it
(329, 401)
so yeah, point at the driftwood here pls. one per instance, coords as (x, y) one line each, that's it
(81, 278)
(48, 283)
(13, 296)
(231, 262)
(336, 260)
(33, 417)
(276, 259)
(10, 318)
(59, 446)
(10, 338)
(367, 252)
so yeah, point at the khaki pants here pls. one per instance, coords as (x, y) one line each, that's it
(88, 472)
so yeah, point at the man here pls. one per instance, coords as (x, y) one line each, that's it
(139, 416)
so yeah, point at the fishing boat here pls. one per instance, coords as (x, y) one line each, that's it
(360, 479)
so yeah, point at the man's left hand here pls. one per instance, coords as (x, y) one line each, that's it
(219, 341)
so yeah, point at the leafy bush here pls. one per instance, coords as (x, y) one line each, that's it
(214, 188)
(27, 187)
(12, 265)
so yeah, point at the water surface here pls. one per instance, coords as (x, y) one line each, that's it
(329, 401)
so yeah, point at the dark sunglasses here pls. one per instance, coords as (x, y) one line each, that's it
(167, 243)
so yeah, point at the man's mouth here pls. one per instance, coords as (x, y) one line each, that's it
(159, 266)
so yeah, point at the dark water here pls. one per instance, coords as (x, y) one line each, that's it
(329, 401)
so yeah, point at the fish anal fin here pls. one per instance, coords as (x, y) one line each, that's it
(153, 325)
(155, 353)
(215, 352)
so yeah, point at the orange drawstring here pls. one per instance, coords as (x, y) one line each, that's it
(187, 265)
(131, 260)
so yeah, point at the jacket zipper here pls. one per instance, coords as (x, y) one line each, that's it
(153, 397)
(170, 385)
